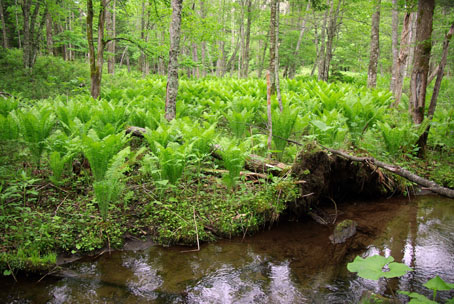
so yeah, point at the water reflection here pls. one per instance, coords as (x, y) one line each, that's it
(294, 263)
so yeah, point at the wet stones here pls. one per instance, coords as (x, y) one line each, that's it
(343, 231)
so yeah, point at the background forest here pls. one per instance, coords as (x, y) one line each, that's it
(248, 77)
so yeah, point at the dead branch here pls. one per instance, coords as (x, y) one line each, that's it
(430, 185)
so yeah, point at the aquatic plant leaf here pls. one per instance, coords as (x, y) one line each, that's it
(396, 270)
(438, 283)
(417, 298)
(371, 268)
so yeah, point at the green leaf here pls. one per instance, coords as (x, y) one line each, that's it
(371, 268)
(438, 283)
(417, 298)
(7, 272)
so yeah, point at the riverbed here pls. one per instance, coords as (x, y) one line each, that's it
(292, 262)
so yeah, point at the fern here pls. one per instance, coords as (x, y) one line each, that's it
(283, 123)
(239, 122)
(36, 126)
(100, 152)
(9, 129)
(57, 164)
(233, 158)
(172, 161)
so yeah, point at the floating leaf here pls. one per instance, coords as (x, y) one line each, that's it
(417, 298)
(371, 268)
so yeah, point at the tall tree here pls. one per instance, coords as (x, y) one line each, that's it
(96, 58)
(32, 12)
(418, 82)
(111, 31)
(273, 25)
(374, 47)
(245, 56)
(292, 64)
(394, 42)
(2, 18)
(172, 77)
(422, 141)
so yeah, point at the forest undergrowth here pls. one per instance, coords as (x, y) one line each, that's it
(72, 181)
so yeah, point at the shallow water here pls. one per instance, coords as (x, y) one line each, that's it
(293, 262)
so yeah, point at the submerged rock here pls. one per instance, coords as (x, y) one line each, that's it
(343, 231)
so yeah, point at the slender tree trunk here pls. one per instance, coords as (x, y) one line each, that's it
(268, 107)
(394, 43)
(49, 38)
(272, 68)
(262, 59)
(220, 65)
(422, 142)
(245, 57)
(418, 82)
(292, 67)
(143, 61)
(4, 36)
(172, 77)
(111, 29)
(276, 62)
(374, 47)
(195, 58)
(322, 52)
(96, 59)
(411, 54)
(17, 25)
(332, 30)
(402, 59)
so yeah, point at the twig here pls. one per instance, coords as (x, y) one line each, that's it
(55, 213)
(12, 272)
(50, 272)
(335, 210)
(196, 232)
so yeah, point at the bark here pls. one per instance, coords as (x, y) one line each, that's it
(394, 43)
(143, 61)
(276, 62)
(418, 82)
(230, 62)
(273, 23)
(49, 38)
(411, 53)
(402, 59)
(268, 109)
(111, 30)
(203, 43)
(292, 68)
(172, 77)
(220, 64)
(262, 59)
(331, 33)
(422, 142)
(195, 58)
(430, 185)
(32, 31)
(4, 36)
(17, 25)
(245, 57)
(96, 59)
(322, 51)
(374, 47)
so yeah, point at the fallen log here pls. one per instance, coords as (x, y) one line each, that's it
(428, 184)
(254, 163)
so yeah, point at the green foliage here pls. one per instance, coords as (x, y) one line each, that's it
(239, 121)
(172, 161)
(100, 152)
(283, 123)
(233, 158)
(9, 128)
(36, 126)
(372, 268)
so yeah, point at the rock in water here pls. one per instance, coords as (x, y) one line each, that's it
(343, 231)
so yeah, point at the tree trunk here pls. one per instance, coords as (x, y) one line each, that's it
(262, 59)
(394, 43)
(172, 77)
(49, 38)
(268, 108)
(276, 62)
(422, 142)
(411, 54)
(220, 64)
(322, 52)
(418, 82)
(402, 59)
(17, 25)
(96, 59)
(245, 57)
(203, 44)
(111, 30)
(272, 68)
(292, 67)
(195, 59)
(332, 30)
(374, 47)
(31, 34)
(4, 36)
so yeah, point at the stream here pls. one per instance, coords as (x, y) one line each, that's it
(293, 262)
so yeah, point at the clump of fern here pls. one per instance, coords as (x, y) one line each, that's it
(233, 158)
(283, 123)
(36, 126)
